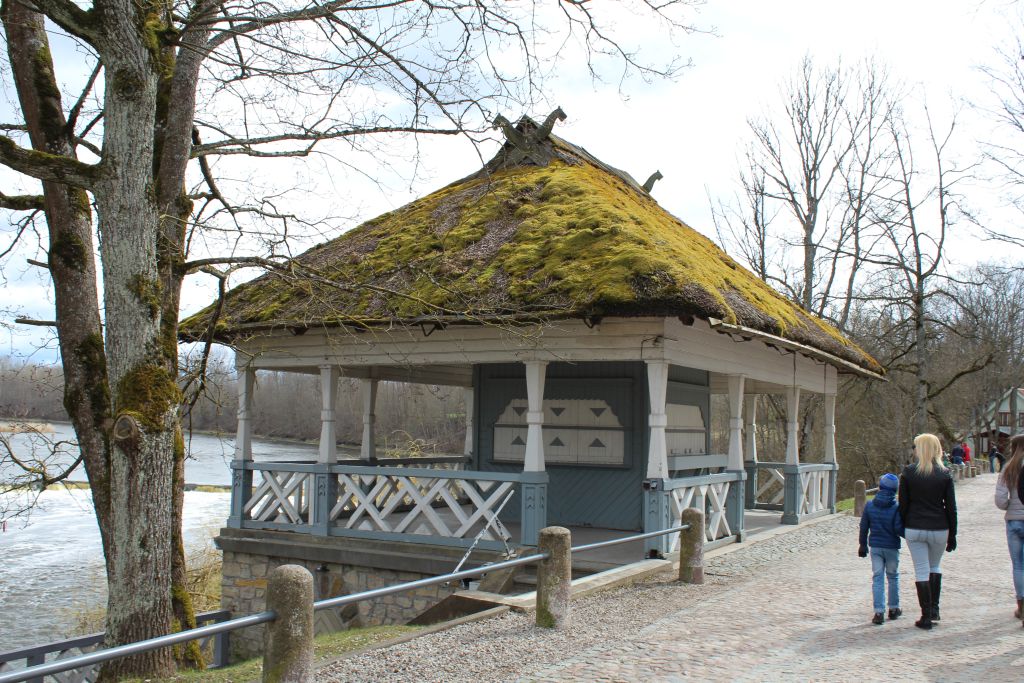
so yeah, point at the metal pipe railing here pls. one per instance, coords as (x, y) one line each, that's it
(159, 642)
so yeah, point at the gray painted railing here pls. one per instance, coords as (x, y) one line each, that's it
(386, 502)
(100, 656)
(799, 491)
(35, 656)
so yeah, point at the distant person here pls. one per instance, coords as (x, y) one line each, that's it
(880, 528)
(993, 455)
(1009, 493)
(967, 453)
(956, 456)
(927, 504)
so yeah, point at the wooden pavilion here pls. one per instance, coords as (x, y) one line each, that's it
(588, 329)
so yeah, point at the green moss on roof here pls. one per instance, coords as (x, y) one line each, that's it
(573, 238)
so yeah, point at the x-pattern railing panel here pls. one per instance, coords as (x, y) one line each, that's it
(421, 504)
(774, 482)
(282, 496)
(709, 499)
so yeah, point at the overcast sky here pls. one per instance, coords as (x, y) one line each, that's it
(692, 129)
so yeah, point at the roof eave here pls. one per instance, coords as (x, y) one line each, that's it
(840, 364)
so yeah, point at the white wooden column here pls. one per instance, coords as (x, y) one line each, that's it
(830, 428)
(243, 436)
(793, 426)
(736, 383)
(535, 373)
(467, 397)
(328, 399)
(368, 446)
(750, 410)
(657, 449)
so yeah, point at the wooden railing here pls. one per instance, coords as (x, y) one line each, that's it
(710, 495)
(400, 500)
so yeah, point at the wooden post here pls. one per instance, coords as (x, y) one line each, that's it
(288, 640)
(533, 461)
(328, 399)
(368, 446)
(860, 497)
(241, 476)
(750, 452)
(793, 426)
(467, 398)
(691, 547)
(736, 383)
(657, 448)
(554, 578)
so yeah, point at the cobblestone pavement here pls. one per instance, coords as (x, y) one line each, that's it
(793, 607)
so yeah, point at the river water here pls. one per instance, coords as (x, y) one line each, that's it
(51, 565)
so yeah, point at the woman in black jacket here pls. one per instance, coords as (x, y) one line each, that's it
(928, 507)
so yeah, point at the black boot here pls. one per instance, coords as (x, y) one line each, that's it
(935, 582)
(924, 598)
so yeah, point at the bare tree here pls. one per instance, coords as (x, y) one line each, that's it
(186, 84)
(809, 178)
(911, 288)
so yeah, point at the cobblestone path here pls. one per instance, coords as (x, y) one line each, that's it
(793, 607)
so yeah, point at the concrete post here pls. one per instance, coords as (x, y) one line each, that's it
(554, 578)
(691, 547)
(860, 497)
(288, 640)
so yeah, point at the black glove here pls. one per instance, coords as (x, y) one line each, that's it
(863, 551)
(951, 544)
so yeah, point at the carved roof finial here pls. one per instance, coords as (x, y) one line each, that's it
(649, 185)
(527, 141)
(549, 123)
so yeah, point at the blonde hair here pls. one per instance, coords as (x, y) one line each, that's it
(928, 450)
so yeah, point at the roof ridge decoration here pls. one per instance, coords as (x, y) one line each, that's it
(527, 139)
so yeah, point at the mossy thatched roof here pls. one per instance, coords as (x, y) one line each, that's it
(520, 241)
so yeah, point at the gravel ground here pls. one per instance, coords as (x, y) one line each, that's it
(511, 648)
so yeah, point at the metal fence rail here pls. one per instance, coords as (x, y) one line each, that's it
(36, 673)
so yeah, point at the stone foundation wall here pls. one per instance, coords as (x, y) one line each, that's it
(244, 584)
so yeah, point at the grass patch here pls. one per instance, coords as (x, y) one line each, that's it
(846, 505)
(326, 647)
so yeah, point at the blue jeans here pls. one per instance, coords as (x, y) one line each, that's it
(885, 564)
(926, 547)
(1015, 541)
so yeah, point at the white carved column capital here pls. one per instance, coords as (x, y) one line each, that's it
(736, 386)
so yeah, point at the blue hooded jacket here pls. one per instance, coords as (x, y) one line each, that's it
(882, 518)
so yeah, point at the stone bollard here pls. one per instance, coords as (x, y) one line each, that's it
(691, 547)
(860, 497)
(554, 578)
(288, 640)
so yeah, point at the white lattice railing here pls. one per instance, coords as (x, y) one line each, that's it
(281, 496)
(815, 485)
(770, 484)
(709, 494)
(379, 502)
(449, 504)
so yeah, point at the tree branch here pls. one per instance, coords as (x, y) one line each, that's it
(44, 166)
(70, 17)
(21, 202)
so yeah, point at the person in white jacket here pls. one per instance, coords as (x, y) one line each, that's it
(1009, 493)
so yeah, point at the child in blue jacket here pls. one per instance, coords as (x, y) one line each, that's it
(881, 528)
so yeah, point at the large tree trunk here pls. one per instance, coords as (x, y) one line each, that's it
(145, 395)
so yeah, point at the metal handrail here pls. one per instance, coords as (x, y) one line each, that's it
(267, 616)
(628, 539)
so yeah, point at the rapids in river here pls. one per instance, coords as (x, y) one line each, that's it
(51, 563)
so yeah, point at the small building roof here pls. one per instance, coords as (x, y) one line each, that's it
(545, 230)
